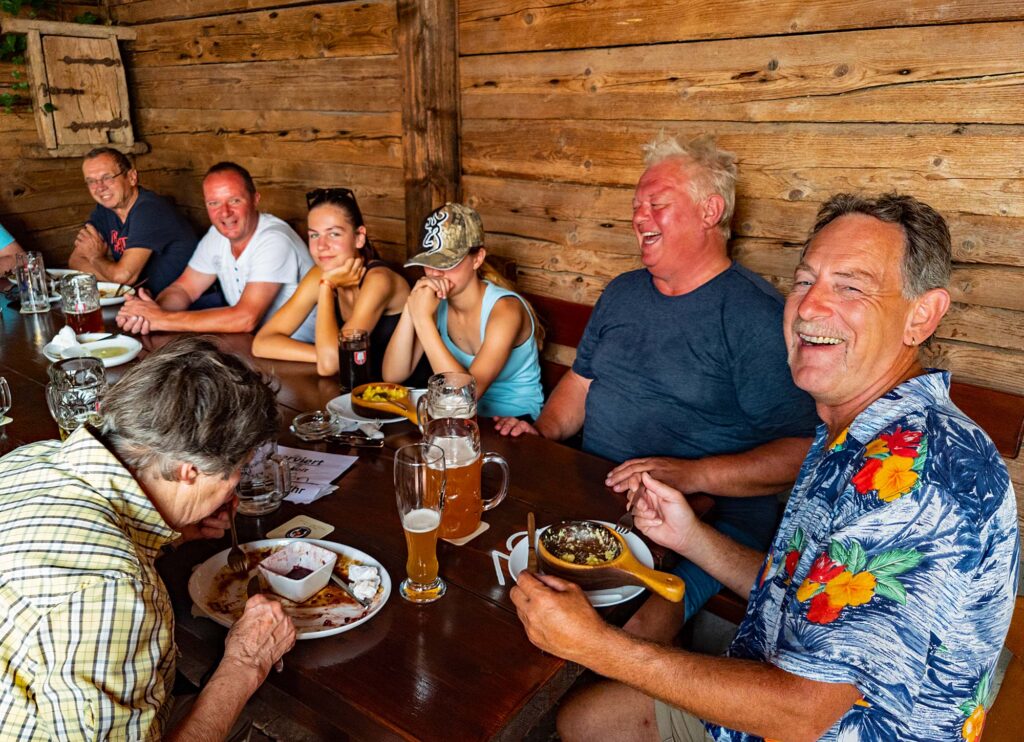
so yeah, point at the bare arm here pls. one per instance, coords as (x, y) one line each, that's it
(254, 644)
(739, 694)
(274, 338)
(170, 311)
(562, 415)
(764, 470)
(91, 256)
(8, 254)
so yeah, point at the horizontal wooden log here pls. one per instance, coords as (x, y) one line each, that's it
(350, 84)
(492, 26)
(598, 218)
(330, 30)
(576, 287)
(982, 285)
(977, 364)
(557, 258)
(147, 11)
(560, 354)
(972, 169)
(999, 328)
(959, 74)
(57, 28)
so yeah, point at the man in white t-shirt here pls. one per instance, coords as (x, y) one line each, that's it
(257, 258)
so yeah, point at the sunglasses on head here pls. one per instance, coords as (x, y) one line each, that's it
(329, 195)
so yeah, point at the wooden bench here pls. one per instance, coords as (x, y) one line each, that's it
(999, 414)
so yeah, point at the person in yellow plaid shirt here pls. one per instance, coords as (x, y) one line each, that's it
(86, 624)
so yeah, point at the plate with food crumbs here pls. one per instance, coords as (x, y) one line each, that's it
(220, 593)
(342, 407)
(598, 598)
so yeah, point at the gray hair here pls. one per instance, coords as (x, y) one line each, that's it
(189, 402)
(711, 170)
(927, 251)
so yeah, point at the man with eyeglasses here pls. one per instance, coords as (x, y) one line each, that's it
(132, 234)
(257, 259)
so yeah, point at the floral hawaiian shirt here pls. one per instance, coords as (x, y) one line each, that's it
(894, 569)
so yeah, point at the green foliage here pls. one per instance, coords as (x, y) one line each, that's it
(8, 101)
(87, 18)
(49, 107)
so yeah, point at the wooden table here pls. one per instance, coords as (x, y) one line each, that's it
(459, 669)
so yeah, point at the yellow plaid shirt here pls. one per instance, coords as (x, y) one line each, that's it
(86, 624)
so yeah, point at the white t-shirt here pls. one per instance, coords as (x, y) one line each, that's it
(275, 254)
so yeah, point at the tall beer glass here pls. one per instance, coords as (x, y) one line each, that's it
(419, 490)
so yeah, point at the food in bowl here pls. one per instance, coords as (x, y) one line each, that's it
(298, 571)
(382, 393)
(582, 543)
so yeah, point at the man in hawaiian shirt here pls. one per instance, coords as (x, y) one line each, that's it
(880, 609)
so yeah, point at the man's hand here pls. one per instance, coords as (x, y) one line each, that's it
(426, 295)
(513, 426)
(89, 244)
(676, 472)
(347, 275)
(663, 514)
(557, 616)
(138, 313)
(260, 637)
(212, 526)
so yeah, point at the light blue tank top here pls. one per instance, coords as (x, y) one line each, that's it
(517, 389)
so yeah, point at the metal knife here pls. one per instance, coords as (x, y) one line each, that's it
(531, 543)
(358, 441)
(364, 602)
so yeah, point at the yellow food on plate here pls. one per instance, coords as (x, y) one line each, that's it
(382, 393)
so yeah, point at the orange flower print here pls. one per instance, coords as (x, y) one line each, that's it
(876, 448)
(840, 441)
(973, 726)
(864, 480)
(851, 589)
(766, 570)
(902, 442)
(822, 610)
(895, 478)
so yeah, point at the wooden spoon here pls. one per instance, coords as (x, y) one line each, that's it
(621, 569)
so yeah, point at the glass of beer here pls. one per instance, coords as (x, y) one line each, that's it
(459, 438)
(449, 394)
(80, 300)
(419, 490)
(353, 359)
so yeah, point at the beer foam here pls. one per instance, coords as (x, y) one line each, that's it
(421, 520)
(458, 450)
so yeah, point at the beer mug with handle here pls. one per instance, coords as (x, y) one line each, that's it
(74, 391)
(450, 394)
(459, 438)
(265, 481)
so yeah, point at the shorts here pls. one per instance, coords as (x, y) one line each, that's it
(676, 725)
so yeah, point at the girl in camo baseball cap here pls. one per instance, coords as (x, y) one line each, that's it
(465, 316)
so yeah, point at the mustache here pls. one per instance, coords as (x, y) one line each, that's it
(816, 330)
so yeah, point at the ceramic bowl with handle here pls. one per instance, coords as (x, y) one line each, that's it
(595, 557)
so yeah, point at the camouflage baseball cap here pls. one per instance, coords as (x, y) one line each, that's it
(447, 236)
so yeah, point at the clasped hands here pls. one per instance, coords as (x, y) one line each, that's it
(426, 296)
(138, 313)
(89, 243)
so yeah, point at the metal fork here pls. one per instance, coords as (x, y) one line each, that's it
(624, 524)
(236, 557)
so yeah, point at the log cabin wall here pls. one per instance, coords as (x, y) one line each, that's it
(925, 98)
(43, 201)
(302, 94)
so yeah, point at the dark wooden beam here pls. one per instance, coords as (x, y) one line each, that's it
(428, 51)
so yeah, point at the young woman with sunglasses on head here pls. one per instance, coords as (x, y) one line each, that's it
(349, 287)
(463, 316)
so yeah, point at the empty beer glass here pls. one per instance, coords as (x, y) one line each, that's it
(266, 480)
(463, 504)
(32, 283)
(419, 490)
(449, 394)
(73, 394)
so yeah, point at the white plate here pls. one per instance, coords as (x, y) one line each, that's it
(221, 595)
(342, 407)
(133, 346)
(598, 598)
(110, 286)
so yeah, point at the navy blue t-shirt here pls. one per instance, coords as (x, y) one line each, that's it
(155, 225)
(688, 376)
